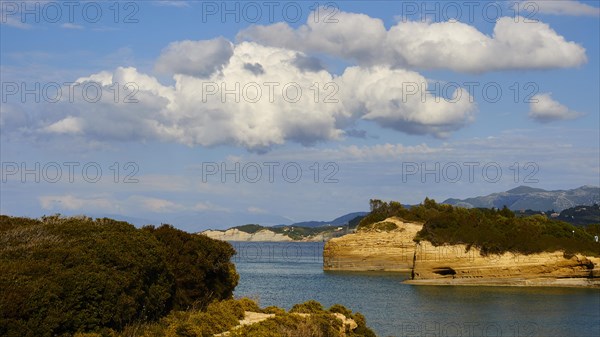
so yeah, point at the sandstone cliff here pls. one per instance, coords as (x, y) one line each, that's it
(454, 264)
(262, 235)
(373, 250)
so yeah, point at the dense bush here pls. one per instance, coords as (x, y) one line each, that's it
(249, 228)
(381, 210)
(307, 319)
(310, 307)
(384, 226)
(201, 266)
(63, 275)
(491, 230)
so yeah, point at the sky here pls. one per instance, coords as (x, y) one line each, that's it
(210, 114)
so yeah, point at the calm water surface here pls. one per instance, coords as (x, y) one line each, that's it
(283, 274)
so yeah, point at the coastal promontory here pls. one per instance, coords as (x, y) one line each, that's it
(446, 245)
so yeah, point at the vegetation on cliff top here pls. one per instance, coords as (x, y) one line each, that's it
(493, 231)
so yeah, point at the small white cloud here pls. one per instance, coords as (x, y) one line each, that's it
(173, 3)
(548, 110)
(69, 125)
(157, 205)
(256, 210)
(560, 7)
(71, 26)
(208, 206)
(383, 151)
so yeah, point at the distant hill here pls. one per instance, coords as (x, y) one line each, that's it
(581, 215)
(537, 199)
(340, 221)
(578, 215)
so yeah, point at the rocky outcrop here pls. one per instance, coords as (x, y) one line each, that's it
(454, 264)
(373, 250)
(263, 235)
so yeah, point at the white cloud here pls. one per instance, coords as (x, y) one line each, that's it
(398, 99)
(183, 114)
(384, 151)
(173, 3)
(515, 43)
(208, 206)
(460, 47)
(256, 210)
(355, 36)
(548, 110)
(71, 26)
(195, 58)
(156, 205)
(102, 78)
(69, 125)
(560, 7)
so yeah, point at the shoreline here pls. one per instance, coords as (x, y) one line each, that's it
(578, 282)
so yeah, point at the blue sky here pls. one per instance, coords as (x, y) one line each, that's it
(373, 131)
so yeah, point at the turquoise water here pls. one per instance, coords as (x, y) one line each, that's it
(283, 274)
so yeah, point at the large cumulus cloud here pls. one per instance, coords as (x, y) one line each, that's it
(516, 43)
(258, 98)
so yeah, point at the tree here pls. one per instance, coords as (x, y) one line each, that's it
(201, 266)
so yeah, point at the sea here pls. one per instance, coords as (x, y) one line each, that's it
(283, 274)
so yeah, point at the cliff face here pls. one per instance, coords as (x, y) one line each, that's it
(454, 264)
(373, 250)
(262, 235)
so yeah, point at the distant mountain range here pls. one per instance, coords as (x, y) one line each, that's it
(340, 221)
(524, 197)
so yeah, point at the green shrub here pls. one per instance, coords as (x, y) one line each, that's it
(201, 266)
(249, 305)
(250, 228)
(309, 307)
(341, 309)
(59, 275)
(273, 310)
(384, 226)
